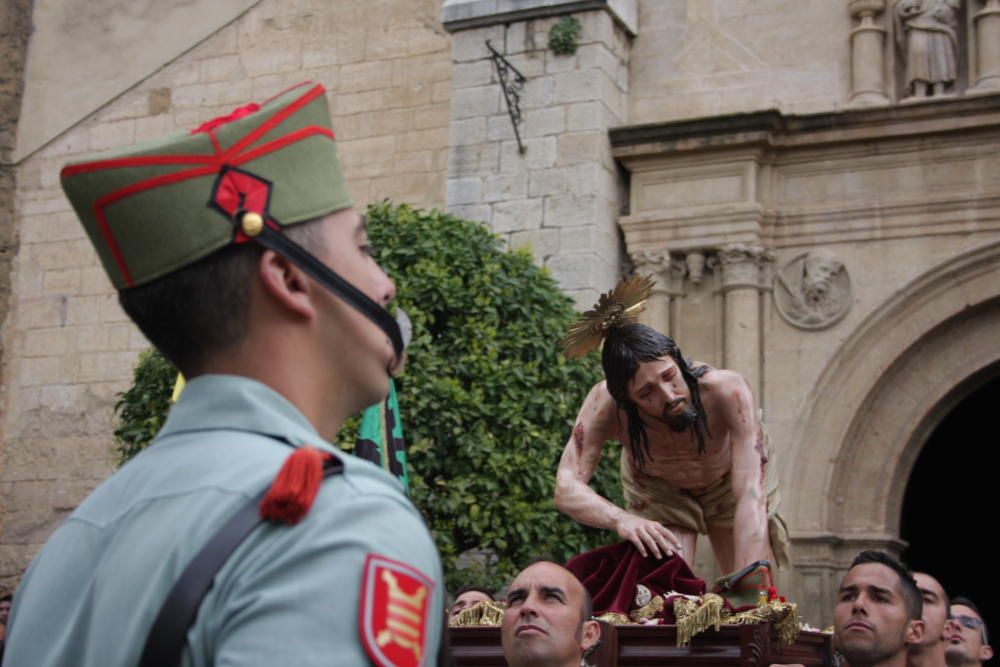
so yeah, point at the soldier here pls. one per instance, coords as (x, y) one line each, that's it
(237, 252)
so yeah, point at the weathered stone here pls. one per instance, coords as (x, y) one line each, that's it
(516, 216)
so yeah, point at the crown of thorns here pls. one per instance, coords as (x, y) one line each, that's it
(614, 309)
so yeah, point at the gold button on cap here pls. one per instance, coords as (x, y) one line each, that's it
(252, 223)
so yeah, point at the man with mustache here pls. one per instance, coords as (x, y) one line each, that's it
(878, 613)
(548, 621)
(694, 456)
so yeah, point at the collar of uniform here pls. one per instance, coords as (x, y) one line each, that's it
(231, 402)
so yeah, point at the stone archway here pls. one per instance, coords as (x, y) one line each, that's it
(889, 385)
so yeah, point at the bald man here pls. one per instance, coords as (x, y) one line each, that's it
(548, 619)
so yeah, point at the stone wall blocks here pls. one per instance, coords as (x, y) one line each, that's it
(433, 115)
(198, 96)
(37, 371)
(111, 134)
(572, 210)
(441, 92)
(461, 191)
(221, 68)
(413, 162)
(385, 44)
(597, 26)
(351, 103)
(111, 310)
(126, 106)
(478, 101)
(338, 47)
(477, 73)
(613, 97)
(41, 313)
(598, 56)
(517, 216)
(62, 226)
(538, 93)
(71, 142)
(48, 342)
(475, 212)
(473, 159)
(555, 64)
(540, 154)
(531, 64)
(425, 40)
(577, 86)
(153, 127)
(419, 189)
(574, 272)
(96, 366)
(62, 282)
(542, 243)
(505, 187)
(470, 45)
(591, 146)
(578, 179)
(272, 59)
(542, 122)
(499, 128)
(364, 76)
(467, 132)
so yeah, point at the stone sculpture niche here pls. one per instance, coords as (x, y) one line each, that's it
(928, 39)
(813, 290)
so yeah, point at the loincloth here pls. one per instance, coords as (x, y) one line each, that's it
(697, 509)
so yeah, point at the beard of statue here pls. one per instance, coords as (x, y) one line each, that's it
(681, 421)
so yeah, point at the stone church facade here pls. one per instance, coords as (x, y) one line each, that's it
(815, 186)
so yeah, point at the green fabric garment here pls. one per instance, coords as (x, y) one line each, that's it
(380, 438)
(288, 595)
(148, 208)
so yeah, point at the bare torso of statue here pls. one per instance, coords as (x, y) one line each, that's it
(682, 485)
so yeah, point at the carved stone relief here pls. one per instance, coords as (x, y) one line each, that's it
(926, 33)
(813, 290)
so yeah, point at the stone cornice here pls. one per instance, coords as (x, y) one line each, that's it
(464, 14)
(774, 128)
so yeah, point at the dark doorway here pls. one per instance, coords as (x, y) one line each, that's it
(949, 509)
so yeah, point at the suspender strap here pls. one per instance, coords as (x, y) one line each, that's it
(166, 639)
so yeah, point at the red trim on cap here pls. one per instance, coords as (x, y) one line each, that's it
(215, 142)
(142, 161)
(271, 146)
(273, 121)
(212, 165)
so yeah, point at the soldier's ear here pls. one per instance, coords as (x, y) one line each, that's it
(285, 284)
(985, 652)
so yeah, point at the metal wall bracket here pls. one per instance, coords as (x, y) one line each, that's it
(511, 83)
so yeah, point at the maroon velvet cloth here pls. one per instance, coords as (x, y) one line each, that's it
(610, 574)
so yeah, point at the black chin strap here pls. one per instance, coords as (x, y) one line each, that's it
(325, 276)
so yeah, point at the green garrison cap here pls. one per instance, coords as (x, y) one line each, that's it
(156, 207)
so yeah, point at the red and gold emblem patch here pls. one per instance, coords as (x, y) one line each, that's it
(395, 599)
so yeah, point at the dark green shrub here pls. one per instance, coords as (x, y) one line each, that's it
(487, 400)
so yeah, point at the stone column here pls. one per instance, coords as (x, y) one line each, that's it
(743, 271)
(867, 54)
(560, 196)
(656, 264)
(987, 22)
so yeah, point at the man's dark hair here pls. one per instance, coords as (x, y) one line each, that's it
(624, 349)
(194, 312)
(473, 588)
(9, 597)
(912, 599)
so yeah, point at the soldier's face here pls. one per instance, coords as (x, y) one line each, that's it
(870, 621)
(362, 347)
(659, 391)
(543, 622)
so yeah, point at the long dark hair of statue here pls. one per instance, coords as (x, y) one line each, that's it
(624, 349)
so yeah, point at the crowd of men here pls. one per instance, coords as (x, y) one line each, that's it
(885, 616)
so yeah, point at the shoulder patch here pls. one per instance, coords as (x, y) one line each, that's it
(395, 599)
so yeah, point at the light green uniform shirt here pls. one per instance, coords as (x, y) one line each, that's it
(289, 595)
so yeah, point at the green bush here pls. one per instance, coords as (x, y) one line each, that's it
(487, 400)
(563, 36)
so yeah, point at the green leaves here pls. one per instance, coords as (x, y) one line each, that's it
(487, 400)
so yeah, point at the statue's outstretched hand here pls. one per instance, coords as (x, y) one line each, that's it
(648, 536)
